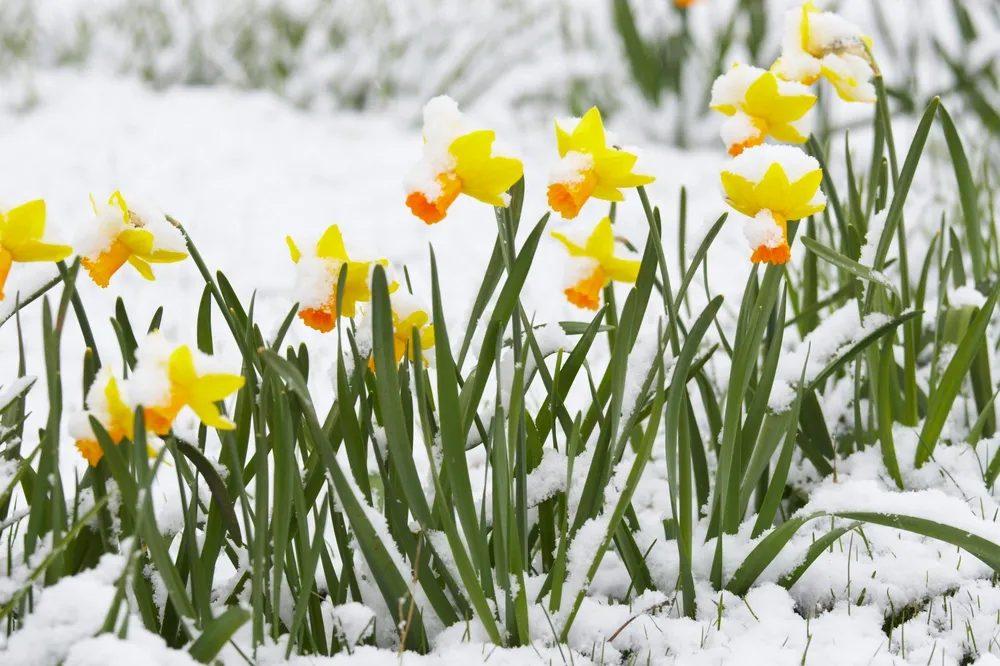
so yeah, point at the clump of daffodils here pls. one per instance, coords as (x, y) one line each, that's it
(127, 232)
(21, 239)
(824, 44)
(167, 378)
(593, 266)
(759, 104)
(317, 275)
(589, 166)
(457, 162)
(773, 185)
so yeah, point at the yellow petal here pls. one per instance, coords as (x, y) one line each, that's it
(33, 250)
(121, 415)
(622, 270)
(293, 249)
(144, 269)
(573, 249)
(607, 193)
(588, 135)
(762, 95)
(23, 224)
(601, 243)
(210, 415)
(165, 256)
(139, 241)
(483, 176)
(564, 140)
(331, 245)
(773, 191)
(181, 368)
(787, 132)
(614, 169)
(740, 193)
(215, 387)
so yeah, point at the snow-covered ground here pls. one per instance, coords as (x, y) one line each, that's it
(242, 170)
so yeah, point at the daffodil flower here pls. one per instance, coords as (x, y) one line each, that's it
(597, 266)
(123, 233)
(167, 379)
(317, 281)
(105, 401)
(21, 231)
(406, 317)
(759, 104)
(589, 167)
(457, 163)
(818, 43)
(772, 185)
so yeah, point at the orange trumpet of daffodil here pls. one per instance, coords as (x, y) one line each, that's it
(106, 403)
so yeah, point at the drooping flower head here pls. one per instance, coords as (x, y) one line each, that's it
(594, 266)
(818, 43)
(759, 104)
(456, 162)
(21, 231)
(168, 378)
(772, 185)
(127, 232)
(589, 166)
(317, 276)
(408, 313)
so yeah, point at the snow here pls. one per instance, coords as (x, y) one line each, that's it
(15, 389)
(739, 128)
(965, 296)
(876, 225)
(762, 230)
(571, 168)
(754, 162)
(836, 333)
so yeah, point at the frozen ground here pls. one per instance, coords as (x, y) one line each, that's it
(242, 170)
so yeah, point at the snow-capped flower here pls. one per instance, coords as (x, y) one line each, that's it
(759, 104)
(21, 231)
(589, 166)
(595, 266)
(818, 43)
(457, 163)
(317, 275)
(408, 314)
(168, 378)
(123, 232)
(772, 185)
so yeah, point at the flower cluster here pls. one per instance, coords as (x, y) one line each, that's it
(773, 185)
(167, 378)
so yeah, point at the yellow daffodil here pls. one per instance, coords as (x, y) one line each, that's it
(402, 327)
(818, 43)
(317, 281)
(597, 266)
(21, 231)
(457, 163)
(589, 167)
(122, 233)
(166, 380)
(106, 403)
(772, 185)
(759, 104)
